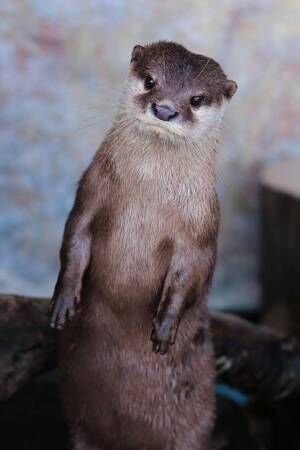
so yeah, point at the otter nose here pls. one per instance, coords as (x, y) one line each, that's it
(163, 112)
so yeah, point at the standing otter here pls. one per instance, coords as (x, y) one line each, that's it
(138, 254)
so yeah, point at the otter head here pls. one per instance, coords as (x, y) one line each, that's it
(171, 91)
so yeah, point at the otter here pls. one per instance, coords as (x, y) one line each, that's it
(137, 260)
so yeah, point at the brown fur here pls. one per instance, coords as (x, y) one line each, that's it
(139, 251)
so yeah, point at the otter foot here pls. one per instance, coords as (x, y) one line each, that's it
(164, 334)
(62, 308)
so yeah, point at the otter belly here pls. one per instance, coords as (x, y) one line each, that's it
(127, 397)
(134, 257)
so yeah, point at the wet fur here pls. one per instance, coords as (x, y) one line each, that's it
(139, 251)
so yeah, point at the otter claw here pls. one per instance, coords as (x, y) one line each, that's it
(62, 309)
(163, 335)
(160, 347)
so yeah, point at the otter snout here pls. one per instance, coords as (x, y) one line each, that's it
(163, 112)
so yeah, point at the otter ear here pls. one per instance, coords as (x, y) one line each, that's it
(137, 53)
(230, 88)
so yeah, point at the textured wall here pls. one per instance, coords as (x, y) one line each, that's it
(61, 67)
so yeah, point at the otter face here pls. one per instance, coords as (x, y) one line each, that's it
(173, 91)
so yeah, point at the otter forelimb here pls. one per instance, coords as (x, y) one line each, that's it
(74, 255)
(180, 290)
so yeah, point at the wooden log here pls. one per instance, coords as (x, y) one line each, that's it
(27, 345)
(280, 244)
(248, 357)
(255, 359)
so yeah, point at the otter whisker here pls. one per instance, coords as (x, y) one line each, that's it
(204, 67)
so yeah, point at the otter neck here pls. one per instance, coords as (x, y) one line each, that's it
(146, 154)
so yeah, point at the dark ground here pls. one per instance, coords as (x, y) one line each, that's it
(32, 418)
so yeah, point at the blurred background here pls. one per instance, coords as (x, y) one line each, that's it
(62, 66)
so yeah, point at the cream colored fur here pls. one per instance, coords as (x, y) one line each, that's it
(175, 160)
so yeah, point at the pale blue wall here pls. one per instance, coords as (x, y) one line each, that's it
(61, 67)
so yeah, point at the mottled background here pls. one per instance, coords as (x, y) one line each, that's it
(62, 64)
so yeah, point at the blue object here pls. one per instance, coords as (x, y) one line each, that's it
(231, 393)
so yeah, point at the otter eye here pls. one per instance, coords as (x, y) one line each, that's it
(149, 83)
(197, 100)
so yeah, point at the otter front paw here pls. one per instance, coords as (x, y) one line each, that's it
(163, 334)
(62, 308)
